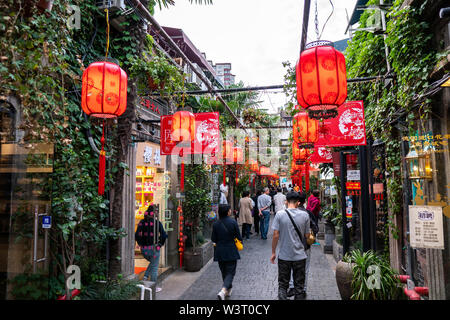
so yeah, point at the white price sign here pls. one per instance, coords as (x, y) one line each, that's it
(353, 175)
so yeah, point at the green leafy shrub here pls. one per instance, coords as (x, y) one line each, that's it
(367, 266)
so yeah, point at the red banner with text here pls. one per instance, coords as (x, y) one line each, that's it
(207, 136)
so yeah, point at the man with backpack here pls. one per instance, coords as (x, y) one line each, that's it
(150, 236)
(291, 229)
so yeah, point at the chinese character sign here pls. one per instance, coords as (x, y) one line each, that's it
(426, 227)
(207, 136)
(347, 129)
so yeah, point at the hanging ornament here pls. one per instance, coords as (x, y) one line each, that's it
(103, 95)
(300, 155)
(305, 130)
(321, 79)
(183, 131)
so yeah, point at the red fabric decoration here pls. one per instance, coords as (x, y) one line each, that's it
(321, 77)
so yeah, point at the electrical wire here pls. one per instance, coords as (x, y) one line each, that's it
(332, 11)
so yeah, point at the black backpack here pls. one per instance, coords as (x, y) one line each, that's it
(312, 223)
(143, 231)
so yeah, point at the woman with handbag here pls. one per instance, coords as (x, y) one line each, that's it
(227, 243)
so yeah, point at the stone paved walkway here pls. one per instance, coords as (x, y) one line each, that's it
(256, 278)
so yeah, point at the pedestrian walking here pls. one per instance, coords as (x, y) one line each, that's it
(272, 193)
(256, 211)
(285, 190)
(279, 200)
(264, 202)
(151, 236)
(223, 194)
(313, 205)
(291, 228)
(314, 228)
(246, 205)
(225, 230)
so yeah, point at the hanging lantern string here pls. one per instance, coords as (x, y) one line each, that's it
(316, 22)
(107, 33)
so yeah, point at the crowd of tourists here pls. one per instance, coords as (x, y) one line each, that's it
(295, 225)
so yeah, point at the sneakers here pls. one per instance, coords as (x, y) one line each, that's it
(158, 289)
(228, 294)
(290, 292)
(221, 295)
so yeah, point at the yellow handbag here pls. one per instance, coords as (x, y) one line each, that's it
(238, 244)
(311, 239)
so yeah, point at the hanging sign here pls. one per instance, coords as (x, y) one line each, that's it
(426, 227)
(321, 155)
(336, 157)
(353, 175)
(347, 129)
(353, 185)
(207, 135)
(46, 222)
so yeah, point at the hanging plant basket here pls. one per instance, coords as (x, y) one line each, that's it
(153, 86)
(45, 5)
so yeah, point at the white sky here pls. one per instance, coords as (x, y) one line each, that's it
(256, 36)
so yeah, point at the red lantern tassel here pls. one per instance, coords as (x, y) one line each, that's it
(182, 176)
(307, 177)
(224, 176)
(102, 165)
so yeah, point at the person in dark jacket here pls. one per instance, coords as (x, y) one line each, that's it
(225, 251)
(256, 211)
(151, 236)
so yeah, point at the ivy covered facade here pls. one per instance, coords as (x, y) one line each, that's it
(405, 113)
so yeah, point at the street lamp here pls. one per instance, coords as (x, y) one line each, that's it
(419, 164)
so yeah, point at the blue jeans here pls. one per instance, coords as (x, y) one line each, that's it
(264, 223)
(228, 270)
(151, 255)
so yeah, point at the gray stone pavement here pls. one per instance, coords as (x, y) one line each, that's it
(256, 278)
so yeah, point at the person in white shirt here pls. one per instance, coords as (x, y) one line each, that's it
(279, 200)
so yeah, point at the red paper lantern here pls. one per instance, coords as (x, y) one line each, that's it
(321, 79)
(103, 95)
(183, 126)
(264, 171)
(253, 165)
(238, 155)
(300, 154)
(228, 151)
(183, 130)
(104, 90)
(305, 130)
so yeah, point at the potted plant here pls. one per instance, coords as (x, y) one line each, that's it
(155, 72)
(366, 276)
(196, 205)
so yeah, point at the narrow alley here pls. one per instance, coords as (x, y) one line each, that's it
(256, 278)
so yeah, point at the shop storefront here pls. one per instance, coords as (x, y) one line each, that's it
(152, 188)
(25, 172)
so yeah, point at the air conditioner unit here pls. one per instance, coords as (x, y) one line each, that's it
(111, 4)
